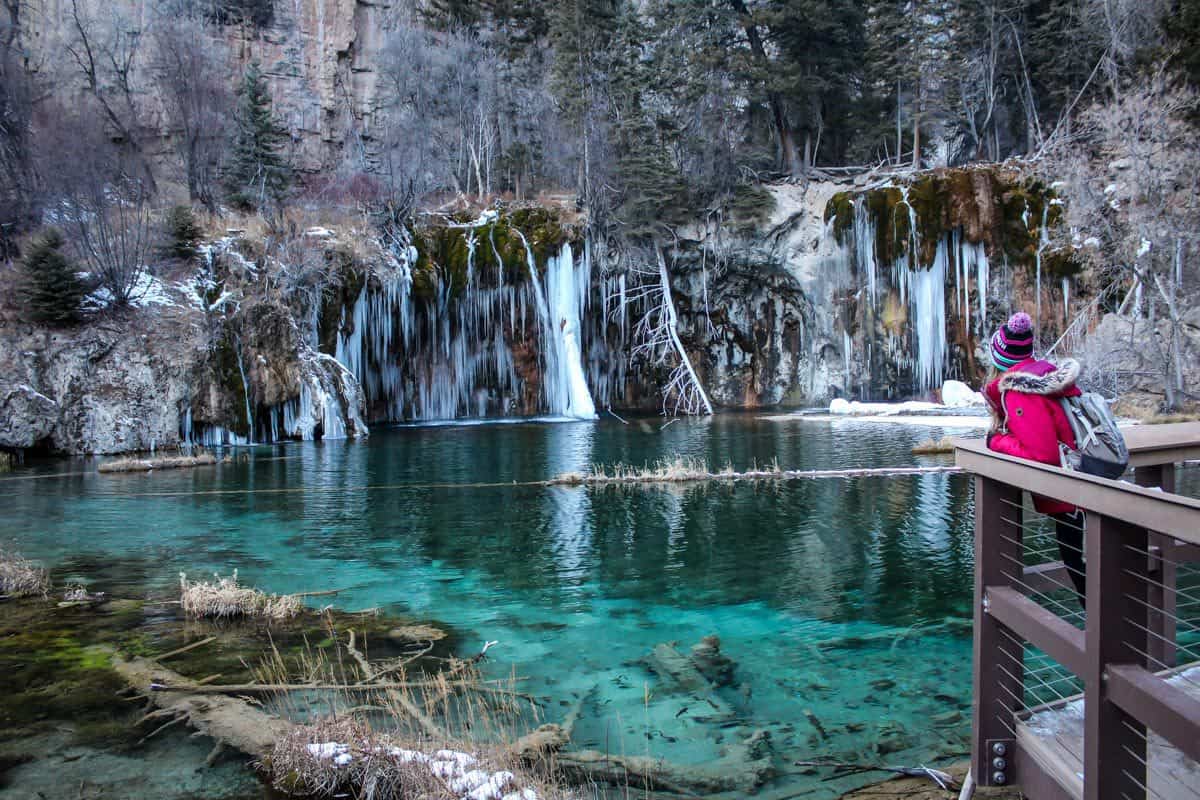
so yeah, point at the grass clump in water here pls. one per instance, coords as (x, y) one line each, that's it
(148, 464)
(20, 577)
(223, 598)
(933, 446)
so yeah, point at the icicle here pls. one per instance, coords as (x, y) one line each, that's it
(245, 389)
(864, 247)
(847, 353)
(924, 290)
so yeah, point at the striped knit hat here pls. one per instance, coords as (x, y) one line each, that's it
(1013, 343)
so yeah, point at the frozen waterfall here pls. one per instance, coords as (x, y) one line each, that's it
(921, 289)
(561, 307)
(477, 349)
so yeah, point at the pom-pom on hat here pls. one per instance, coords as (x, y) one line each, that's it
(1013, 342)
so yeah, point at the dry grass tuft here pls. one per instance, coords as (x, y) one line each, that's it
(75, 593)
(223, 598)
(676, 470)
(147, 464)
(20, 577)
(933, 446)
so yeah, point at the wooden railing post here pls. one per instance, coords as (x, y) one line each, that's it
(999, 673)
(1114, 742)
(1160, 618)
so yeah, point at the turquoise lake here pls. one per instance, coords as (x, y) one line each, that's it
(842, 602)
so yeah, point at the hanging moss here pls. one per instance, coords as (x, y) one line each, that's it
(750, 206)
(929, 197)
(840, 209)
(893, 228)
(544, 230)
(224, 365)
(442, 261)
(338, 297)
(988, 207)
(443, 253)
(1061, 262)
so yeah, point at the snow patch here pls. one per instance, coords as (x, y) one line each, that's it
(454, 767)
(956, 394)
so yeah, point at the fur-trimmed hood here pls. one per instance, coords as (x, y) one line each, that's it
(1058, 381)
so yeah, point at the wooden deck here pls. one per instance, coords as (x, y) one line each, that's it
(1053, 737)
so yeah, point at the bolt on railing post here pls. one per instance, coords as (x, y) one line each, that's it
(1160, 618)
(998, 675)
(1114, 743)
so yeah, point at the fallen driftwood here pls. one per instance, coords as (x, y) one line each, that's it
(684, 674)
(932, 446)
(236, 723)
(743, 767)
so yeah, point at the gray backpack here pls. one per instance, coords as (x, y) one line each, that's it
(1099, 446)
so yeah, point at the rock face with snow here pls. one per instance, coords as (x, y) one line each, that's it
(27, 417)
(166, 372)
(103, 388)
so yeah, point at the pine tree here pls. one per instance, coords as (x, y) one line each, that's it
(652, 189)
(258, 171)
(50, 286)
(820, 45)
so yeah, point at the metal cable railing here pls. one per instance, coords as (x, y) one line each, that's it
(1103, 703)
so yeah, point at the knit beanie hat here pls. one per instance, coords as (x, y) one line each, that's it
(1013, 342)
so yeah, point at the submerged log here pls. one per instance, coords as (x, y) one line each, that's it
(230, 721)
(744, 767)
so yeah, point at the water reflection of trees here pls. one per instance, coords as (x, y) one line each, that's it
(891, 549)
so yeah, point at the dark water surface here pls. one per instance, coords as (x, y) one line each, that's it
(840, 601)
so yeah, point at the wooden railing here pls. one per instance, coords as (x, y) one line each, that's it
(1137, 536)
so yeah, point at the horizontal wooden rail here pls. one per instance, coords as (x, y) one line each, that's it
(1167, 710)
(1154, 510)
(1060, 640)
(1151, 445)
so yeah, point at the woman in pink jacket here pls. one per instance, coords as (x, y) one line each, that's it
(1028, 422)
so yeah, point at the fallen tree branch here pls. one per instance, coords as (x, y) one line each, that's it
(186, 648)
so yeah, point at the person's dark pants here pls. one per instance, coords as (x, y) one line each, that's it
(1069, 530)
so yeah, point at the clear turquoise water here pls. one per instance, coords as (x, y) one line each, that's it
(814, 587)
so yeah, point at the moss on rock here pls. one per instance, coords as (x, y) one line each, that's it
(1002, 210)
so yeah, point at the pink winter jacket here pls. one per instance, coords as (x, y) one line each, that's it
(1028, 421)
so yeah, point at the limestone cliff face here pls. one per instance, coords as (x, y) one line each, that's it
(320, 57)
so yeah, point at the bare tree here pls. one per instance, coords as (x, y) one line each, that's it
(656, 335)
(1134, 177)
(445, 85)
(106, 51)
(100, 199)
(17, 176)
(189, 64)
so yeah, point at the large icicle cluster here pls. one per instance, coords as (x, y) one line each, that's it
(921, 288)
(452, 356)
